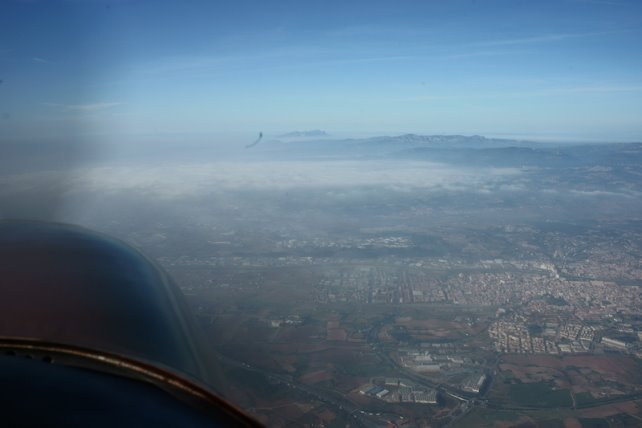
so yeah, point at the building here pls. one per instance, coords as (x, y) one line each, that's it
(426, 397)
(614, 343)
(474, 383)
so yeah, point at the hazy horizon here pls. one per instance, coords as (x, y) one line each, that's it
(555, 70)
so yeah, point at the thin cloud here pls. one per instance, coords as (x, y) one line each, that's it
(83, 107)
(416, 57)
(210, 62)
(376, 30)
(40, 60)
(477, 54)
(431, 98)
(588, 89)
(601, 2)
(543, 38)
(303, 59)
(602, 89)
(544, 92)
(92, 107)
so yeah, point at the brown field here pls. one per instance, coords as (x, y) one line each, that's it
(524, 420)
(337, 334)
(599, 375)
(433, 328)
(572, 423)
(429, 324)
(341, 355)
(528, 374)
(384, 334)
(327, 415)
(619, 368)
(223, 329)
(311, 347)
(316, 376)
(297, 334)
(361, 400)
(282, 414)
(630, 407)
(333, 324)
(334, 331)
(286, 362)
(346, 383)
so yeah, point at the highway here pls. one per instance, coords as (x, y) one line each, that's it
(386, 358)
(337, 401)
(340, 404)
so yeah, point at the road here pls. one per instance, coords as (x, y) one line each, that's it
(373, 340)
(467, 398)
(335, 400)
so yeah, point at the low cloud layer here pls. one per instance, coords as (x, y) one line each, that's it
(321, 183)
(188, 180)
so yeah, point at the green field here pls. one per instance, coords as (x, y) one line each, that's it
(594, 423)
(539, 394)
(584, 398)
(485, 417)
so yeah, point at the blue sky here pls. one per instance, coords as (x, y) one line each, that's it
(564, 69)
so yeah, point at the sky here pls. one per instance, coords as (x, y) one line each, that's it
(125, 70)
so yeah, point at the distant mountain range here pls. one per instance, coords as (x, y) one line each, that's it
(405, 141)
(446, 141)
(304, 134)
(460, 149)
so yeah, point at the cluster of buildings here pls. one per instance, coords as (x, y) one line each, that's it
(397, 390)
(347, 243)
(447, 363)
(474, 383)
(426, 361)
(513, 336)
(594, 254)
(291, 320)
(534, 286)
